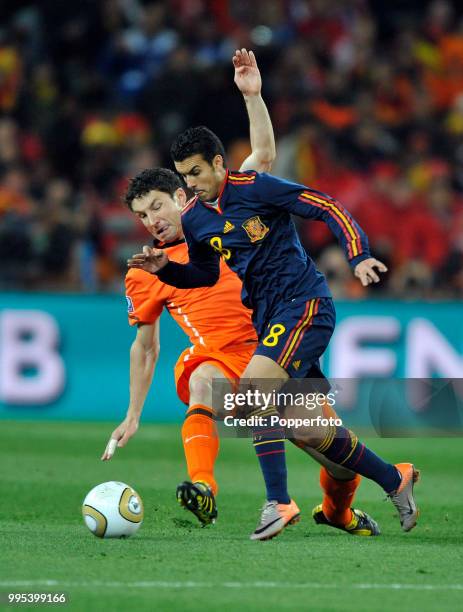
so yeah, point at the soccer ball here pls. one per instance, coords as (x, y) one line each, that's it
(113, 510)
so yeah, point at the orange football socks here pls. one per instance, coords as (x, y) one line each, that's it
(338, 497)
(201, 444)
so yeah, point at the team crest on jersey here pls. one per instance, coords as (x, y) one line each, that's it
(130, 307)
(255, 229)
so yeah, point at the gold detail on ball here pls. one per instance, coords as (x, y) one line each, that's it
(131, 506)
(101, 522)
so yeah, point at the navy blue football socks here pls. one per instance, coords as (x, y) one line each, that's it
(269, 444)
(344, 448)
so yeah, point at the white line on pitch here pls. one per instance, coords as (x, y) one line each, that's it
(150, 584)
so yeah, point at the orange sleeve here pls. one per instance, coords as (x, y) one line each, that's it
(145, 295)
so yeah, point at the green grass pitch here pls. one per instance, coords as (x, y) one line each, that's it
(172, 564)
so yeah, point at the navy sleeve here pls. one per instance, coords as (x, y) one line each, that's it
(203, 269)
(311, 204)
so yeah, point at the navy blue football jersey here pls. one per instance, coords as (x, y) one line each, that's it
(251, 228)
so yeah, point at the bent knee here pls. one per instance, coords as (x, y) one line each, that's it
(312, 437)
(200, 389)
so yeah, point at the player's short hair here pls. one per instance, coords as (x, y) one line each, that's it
(197, 141)
(159, 179)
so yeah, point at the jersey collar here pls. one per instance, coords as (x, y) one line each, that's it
(219, 208)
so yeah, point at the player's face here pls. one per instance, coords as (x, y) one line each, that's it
(201, 177)
(160, 213)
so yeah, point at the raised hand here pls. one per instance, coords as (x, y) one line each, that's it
(247, 75)
(365, 271)
(151, 260)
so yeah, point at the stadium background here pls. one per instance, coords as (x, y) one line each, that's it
(367, 105)
(366, 98)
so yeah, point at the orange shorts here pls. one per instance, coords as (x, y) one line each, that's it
(232, 364)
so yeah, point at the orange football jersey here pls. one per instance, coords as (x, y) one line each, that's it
(212, 317)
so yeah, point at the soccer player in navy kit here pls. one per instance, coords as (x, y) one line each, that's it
(245, 218)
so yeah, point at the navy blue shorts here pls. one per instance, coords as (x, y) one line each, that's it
(297, 336)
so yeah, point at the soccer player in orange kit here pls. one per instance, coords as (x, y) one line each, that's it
(219, 327)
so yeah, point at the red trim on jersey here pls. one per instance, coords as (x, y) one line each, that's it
(221, 191)
(242, 175)
(189, 205)
(333, 214)
(241, 178)
(314, 314)
(240, 183)
(337, 212)
(344, 212)
(295, 328)
(217, 208)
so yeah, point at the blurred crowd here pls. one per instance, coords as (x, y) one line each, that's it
(366, 98)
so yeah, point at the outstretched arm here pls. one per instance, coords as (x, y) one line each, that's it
(143, 357)
(312, 204)
(249, 82)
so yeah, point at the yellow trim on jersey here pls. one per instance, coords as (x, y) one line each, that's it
(298, 333)
(343, 217)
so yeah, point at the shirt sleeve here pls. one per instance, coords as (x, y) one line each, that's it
(144, 297)
(312, 204)
(203, 269)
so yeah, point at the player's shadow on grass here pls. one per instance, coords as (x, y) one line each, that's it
(184, 524)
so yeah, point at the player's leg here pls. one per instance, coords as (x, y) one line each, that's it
(273, 358)
(341, 446)
(335, 442)
(201, 445)
(265, 375)
(337, 482)
(199, 431)
(277, 352)
(339, 486)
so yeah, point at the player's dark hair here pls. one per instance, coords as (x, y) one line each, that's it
(197, 141)
(160, 179)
